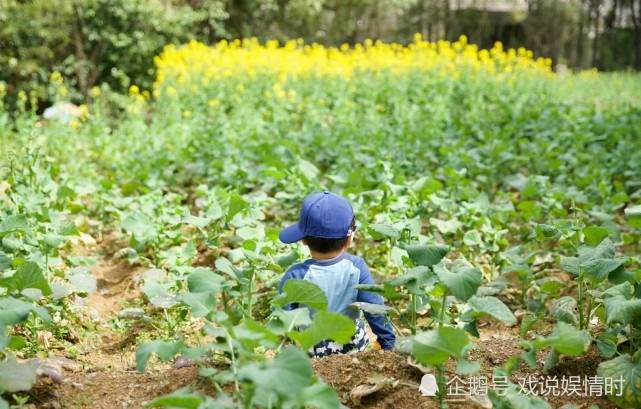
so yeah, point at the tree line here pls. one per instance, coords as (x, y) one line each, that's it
(113, 41)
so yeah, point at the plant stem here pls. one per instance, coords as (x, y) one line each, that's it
(442, 317)
(589, 311)
(440, 381)
(580, 300)
(250, 289)
(234, 369)
(413, 314)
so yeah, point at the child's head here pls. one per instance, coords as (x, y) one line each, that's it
(326, 224)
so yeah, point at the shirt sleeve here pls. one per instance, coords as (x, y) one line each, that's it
(379, 323)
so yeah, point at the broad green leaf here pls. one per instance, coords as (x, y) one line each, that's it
(287, 374)
(595, 234)
(446, 226)
(165, 350)
(629, 369)
(204, 280)
(200, 222)
(414, 279)
(434, 347)
(605, 249)
(184, 400)
(493, 307)
(427, 255)
(5, 262)
(28, 275)
(565, 339)
(67, 228)
(308, 169)
(17, 376)
(158, 294)
(302, 292)
(226, 266)
(586, 257)
(284, 321)
(551, 286)
(547, 232)
(13, 311)
(565, 309)
(374, 309)
(54, 240)
(599, 269)
(633, 216)
(287, 260)
(472, 238)
(236, 205)
(255, 333)
(570, 264)
(319, 396)
(17, 342)
(82, 282)
(13, 223)
(326, 326)
(465, 367)
(607, 344)
(140, 226)
(462, 281)
(620, 304)
(381, 231)
(512, 398)
(530, 209)
(201, 304)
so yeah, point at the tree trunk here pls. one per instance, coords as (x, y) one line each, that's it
(446, 19)
(595, 40)
(635, 13)
(578, 62)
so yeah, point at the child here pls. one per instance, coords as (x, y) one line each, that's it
(326, 225)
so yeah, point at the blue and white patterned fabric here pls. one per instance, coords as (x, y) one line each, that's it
(337, 278)
(358, 343)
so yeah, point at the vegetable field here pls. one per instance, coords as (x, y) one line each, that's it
(498, 205)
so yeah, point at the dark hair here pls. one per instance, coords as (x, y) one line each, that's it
(324, 245)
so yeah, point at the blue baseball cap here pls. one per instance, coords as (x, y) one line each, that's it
(325, 215)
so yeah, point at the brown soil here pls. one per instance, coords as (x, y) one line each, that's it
(346, 372)
(105, 376)
(113, 380)
(115, 288)
(105, 389)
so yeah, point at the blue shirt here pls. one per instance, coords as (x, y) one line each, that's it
(337, 278)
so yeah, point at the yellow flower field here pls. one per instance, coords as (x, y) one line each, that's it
(199, 63)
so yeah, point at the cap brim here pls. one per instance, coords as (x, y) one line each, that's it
(291, 234)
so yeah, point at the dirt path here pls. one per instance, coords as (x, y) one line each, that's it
(105, 376)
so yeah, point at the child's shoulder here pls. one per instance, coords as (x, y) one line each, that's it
(299, 268)
(356, 260)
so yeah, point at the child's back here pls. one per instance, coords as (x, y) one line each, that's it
(326, 226)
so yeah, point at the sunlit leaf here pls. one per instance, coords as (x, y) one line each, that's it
(462, 281)
(326, 326)
(434, 347)
(165, 350)
(566, 340)
(628, 369)
(302, 292)
(493, 307)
